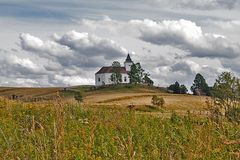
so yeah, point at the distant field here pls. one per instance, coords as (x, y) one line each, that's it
(114, 96)
(24, 93)
(181, 104)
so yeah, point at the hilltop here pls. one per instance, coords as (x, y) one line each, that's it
(116, 96)
(51, 92)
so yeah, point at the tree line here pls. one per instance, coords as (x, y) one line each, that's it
(199, 87)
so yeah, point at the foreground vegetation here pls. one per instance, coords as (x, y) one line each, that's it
(58, 130)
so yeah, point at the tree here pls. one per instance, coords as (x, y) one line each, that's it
(226, 91)
(116, 76)
(116, 64)
(138, 76)
(225, 96)
(147, 80)
(136, 73)
(200, 87)
(183, 89)
(177, 88)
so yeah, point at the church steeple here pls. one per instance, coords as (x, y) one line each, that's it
(128, 59)
(128, 63)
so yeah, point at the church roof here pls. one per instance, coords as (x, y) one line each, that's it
(128, 59)
(110, 69)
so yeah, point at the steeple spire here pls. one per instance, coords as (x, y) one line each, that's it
(128, 59)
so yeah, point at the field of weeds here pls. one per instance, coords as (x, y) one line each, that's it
(60, 130)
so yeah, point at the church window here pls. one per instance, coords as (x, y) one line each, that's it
(125, 79)
(98, 79)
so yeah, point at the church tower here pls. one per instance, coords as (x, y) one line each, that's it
(128, 63)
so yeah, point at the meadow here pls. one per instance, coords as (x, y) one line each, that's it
(108, 129)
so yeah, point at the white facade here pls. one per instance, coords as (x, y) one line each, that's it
(128, 65)
(105, 79)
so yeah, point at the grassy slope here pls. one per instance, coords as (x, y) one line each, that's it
(85, 90)
(29, 92)
(117, 96)
(140, 97)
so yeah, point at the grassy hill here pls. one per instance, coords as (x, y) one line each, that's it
(117, 96)
(24, 93)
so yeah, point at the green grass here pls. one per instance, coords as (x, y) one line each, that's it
(119, 88)
(56, 130)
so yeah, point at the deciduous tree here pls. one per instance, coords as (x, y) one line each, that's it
(200, 87)
(116, 76)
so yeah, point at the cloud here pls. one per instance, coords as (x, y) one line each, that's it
(233, 64)
(91, 45)
(198, 4)
(74, 48)
(188, 36)
(18, 70)
(231, 26)
(184, 72)
(48, 48)
(70, 59)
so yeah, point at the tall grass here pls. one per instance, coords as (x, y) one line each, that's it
(56, 130)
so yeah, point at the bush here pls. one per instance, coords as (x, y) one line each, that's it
(233, 115)
(177, 88)
(215, 112)
(158, 101)
(78, 96)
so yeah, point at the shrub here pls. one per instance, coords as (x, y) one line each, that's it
(233, 115)
(175, 118)
(78, 96)
(215, 112)
(158, 101)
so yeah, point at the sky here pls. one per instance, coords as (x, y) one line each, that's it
(47, 43)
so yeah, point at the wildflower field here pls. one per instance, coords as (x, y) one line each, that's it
(61, 130)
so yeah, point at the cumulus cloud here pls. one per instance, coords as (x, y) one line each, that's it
(91, 45)
(74, 48)
(198, 4)
(49, 48)
(69, 59)
(188, 36)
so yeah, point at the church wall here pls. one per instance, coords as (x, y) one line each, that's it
(105, 79)
(128, 65)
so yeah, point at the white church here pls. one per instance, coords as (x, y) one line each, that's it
(103, 76)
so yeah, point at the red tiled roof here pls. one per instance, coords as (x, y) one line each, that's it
(111, 70)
